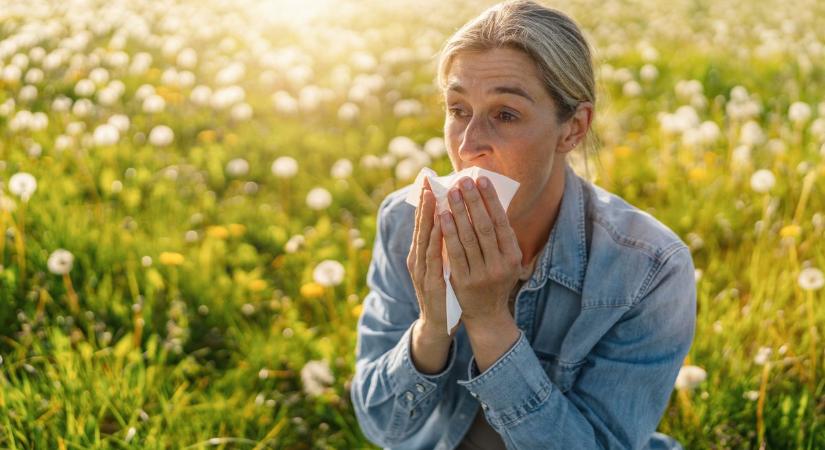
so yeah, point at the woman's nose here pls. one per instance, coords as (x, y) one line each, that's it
(474, 142)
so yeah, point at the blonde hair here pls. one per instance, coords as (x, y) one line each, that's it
(548, 36)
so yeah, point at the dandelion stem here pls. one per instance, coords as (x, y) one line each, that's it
(763, 388)
(807, 185)
(21, 245)
(74, 305)
(814, 338)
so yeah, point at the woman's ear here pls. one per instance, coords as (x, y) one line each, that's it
(577, 127)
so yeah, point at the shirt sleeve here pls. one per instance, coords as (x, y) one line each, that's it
(623, 385)
(391, 398)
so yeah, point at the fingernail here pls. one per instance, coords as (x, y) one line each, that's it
(482, 181)
(455, 195)
(468, 184)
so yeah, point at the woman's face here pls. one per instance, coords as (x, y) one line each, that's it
(500, 117)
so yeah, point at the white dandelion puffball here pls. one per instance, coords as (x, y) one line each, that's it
(341, 169)
(799, 112)
(161, 136)
(23, 185)
(763, 181)
(348, 111)
(119, 121)
(60, 262)
(319, 198)
(811, 279)
(106, 135)
(435, 147)
(763, 355)
(316, 376)
(240, 112)
(285, 167)
(154, 104)
(690, 377)
(237, 167)
(328, 273)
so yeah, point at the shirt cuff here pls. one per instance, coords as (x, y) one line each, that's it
(514, 386)
(408, 383)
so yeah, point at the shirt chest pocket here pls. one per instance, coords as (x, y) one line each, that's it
(563, 374)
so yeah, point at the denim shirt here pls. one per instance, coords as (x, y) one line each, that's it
(605, 322)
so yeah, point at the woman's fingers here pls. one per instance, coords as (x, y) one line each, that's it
(425, 227)
(507, 242)
(435, 267)
(466, 233)
(455, 249)
(412, 256)
(483, 226)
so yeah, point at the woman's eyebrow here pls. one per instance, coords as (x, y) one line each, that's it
(514, 90)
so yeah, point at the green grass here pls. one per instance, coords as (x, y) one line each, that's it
(212, 354)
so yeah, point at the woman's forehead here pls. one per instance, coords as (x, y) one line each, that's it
(498, 71)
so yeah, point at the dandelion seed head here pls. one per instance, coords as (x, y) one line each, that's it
(285, 167)
(690, 377)
(60, 262)
(328, 273)
(319, 198)
(811, 279)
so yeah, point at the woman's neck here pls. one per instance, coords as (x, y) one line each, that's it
(534, 225)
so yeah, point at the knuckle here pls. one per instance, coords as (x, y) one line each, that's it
(499, 220)
(468, 238)
(486, 228)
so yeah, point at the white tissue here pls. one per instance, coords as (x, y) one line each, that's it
(505, 188)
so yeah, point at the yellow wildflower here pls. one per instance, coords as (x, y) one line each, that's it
(698, 174)
(170, 258)
(217, 232)
(236, 229)
(312, 290)
(622, 151)
(791, 230)
(257, 285)
(356, 310)
(207, 136)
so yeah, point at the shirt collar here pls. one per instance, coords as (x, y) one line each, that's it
(564, 259)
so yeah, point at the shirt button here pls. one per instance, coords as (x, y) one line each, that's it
(410, 396)
(419, 387)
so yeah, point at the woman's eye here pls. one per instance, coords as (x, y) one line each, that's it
(456, 112)
(507, 117)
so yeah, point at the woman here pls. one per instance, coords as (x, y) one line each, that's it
(578, 308)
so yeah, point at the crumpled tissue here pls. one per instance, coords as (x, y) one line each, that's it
(505, 188)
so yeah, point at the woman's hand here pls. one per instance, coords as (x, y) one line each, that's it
(485, 258)
(426, 268)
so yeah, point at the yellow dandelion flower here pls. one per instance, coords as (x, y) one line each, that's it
(791, 230)
(257, 285)
(698, 174)
(207, 136)
(710, 158)
(356, 310)
(312, 290)
(217, 232)
(170, 258)
(622, 151)
(236, 229)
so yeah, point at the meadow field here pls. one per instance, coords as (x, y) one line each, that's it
(188, 193)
